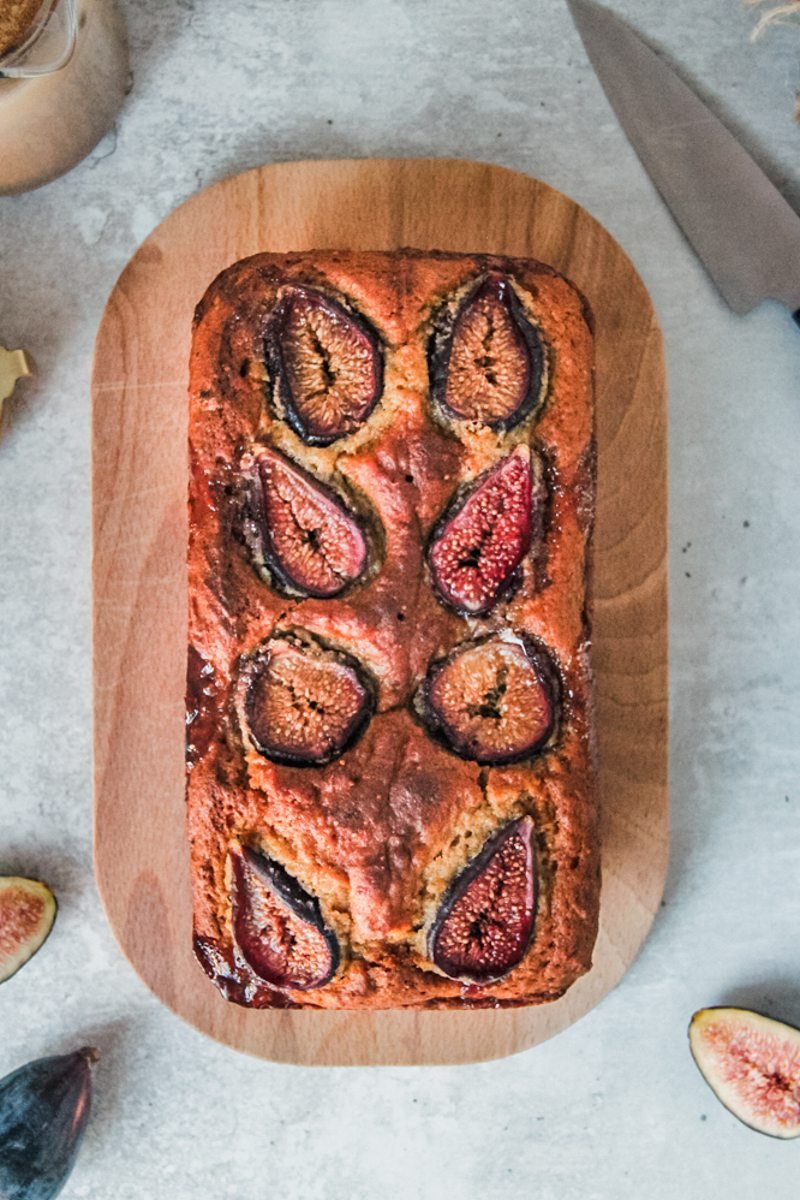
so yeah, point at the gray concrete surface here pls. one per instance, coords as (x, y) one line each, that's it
(613, 1108)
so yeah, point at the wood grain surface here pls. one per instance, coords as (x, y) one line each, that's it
(139, 394)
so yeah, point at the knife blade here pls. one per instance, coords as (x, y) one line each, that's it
(742, 229)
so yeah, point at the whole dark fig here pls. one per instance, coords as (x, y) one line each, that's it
(44, 1108)
(27, 913)
(752, 1064)
(485, 922)
(326, 365)
(487, 364)
(301, 703)
(493, 700)
(478, 545)
(278, 927)
(312, 544)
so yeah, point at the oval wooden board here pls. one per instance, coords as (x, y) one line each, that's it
(139, 392)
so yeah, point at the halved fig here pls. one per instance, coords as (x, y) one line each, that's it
(27, 913)
(485, 923)
(301, 703)
(493, 700)
(327, 365)
(752, 1065)
(479, 543)
(312, 543)
(487, 364)
(278, 926)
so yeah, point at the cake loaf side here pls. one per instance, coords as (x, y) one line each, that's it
(390, 758)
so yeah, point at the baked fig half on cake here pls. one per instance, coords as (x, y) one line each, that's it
(494, 700)
(300, 531)
(326, 365)
(278, 927)
(485, 922)
(478, 545)
(486, 360)
(300, 702)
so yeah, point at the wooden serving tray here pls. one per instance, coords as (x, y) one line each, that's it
(139, 392)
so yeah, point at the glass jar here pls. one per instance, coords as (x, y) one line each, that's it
(63, 77)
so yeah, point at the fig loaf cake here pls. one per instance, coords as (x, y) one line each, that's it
(390, 756)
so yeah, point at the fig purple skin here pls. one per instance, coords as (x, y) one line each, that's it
(327, 364)
(44, 1111)
(311, 542)
(301, 703)
(478, 545)
(278, 927)
(487, 363)
(485, 923)
(493, 700)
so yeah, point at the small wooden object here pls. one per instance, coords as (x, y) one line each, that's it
(140, 403)
(14, 365)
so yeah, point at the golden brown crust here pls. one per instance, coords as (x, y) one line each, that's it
(378, 834)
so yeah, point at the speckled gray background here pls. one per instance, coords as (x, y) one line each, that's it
(613, 1108)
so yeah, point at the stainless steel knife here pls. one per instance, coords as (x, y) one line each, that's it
(742, 229)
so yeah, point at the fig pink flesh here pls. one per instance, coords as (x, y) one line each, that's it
(492, 700)
(331, 366)
(486, 922)
(478, 549)
(303, 705)
(27, 912)
(489, 368)
(752, 1063)
(277, 943)
(314, 542)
